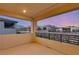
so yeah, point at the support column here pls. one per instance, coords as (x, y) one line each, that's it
(33, 29)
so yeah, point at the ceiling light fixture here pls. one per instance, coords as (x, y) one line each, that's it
(24, 11)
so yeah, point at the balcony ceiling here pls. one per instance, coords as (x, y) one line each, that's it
(35, 11)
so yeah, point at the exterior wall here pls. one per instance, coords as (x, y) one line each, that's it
(1, 25)
(3, 30)
(59, 30)
(11, 40)
(74, 28)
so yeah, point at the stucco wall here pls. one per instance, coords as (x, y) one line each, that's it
(11, 40)
(58, 46)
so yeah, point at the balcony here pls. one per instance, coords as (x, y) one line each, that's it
(22, 44)
(38, 43)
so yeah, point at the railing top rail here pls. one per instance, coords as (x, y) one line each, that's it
(64, 33)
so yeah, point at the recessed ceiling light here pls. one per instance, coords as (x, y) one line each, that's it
(24, 11)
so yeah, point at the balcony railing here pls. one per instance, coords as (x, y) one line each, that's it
(71, 38)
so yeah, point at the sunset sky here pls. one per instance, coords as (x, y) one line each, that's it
(66, 19)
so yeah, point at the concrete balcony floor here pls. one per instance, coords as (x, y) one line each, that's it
(29, 49)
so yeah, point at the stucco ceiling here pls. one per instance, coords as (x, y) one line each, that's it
(35, 11)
